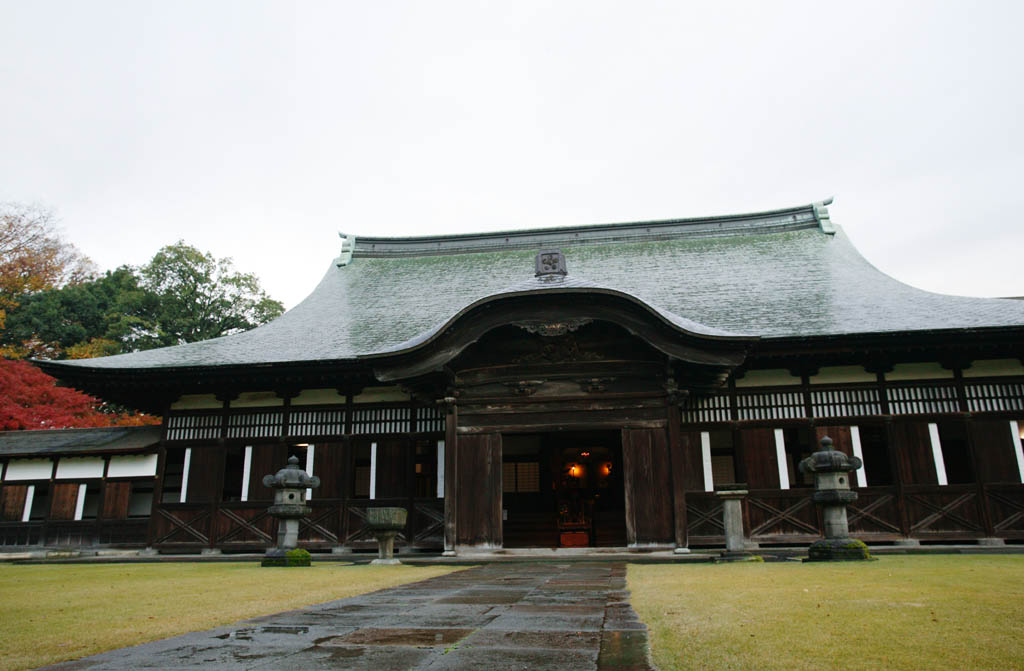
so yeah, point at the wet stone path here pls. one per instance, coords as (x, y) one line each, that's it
(564, 616)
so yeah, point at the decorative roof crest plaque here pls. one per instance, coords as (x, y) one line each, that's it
(550, 265)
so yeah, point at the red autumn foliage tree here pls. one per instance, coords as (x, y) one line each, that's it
(31, 399)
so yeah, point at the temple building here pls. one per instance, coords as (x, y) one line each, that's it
(569, 387)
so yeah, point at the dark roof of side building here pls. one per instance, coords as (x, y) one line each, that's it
(781, 274)
(78, 441)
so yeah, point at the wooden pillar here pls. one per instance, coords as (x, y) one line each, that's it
(158, 489)
(451, 474)
(677, 462)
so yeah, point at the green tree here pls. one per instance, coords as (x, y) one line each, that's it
(33, 257)
(201, 297)
(106, 315)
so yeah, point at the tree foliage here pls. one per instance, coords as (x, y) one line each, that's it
(201, 297)
(182, 295)
(53, 305)
(32, 255)
(31, 399)
(97, 317)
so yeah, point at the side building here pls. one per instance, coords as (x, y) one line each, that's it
(590, 386)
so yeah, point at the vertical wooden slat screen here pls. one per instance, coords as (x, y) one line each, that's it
(693, 461)
(757, 449)
(204, 474)
(12, 502)
(62, 503)
(993, 445)
(393, 464)
(329, 466)
(840, 435)
(115, 500)
(266, 460)
(915, 464)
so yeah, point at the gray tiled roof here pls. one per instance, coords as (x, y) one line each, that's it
(71, 441)
(777, 274)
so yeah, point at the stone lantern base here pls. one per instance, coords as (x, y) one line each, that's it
(286, 558)
(839, 549)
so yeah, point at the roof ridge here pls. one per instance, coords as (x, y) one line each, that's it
(813, 215)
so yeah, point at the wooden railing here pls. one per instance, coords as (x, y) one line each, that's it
(129, 533)
(924, 512)
(247, 527)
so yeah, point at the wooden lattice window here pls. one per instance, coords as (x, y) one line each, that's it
(430, 419)
(994, 396)
(194, 426)
(707, 409)
(316, 422)
(845, 402)
(922, 399)
(381, 420)
(257, 424)
(771, 405)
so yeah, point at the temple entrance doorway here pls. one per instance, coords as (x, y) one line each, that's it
(563, 489)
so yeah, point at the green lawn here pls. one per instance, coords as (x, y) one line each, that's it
(55, 612)
(901, 612)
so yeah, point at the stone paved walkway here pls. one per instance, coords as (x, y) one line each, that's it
(564, 616)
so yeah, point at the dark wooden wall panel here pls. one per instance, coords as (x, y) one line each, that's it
(840, 435)
(645, 464)
(479, 484)
(329, 466)
(993, 447)
(12, 502)
(115, 500)
(266, 460)
(912, 447)
(62, 503)
(693, 461)
(757, 449)
(204, 473)
(393, 469)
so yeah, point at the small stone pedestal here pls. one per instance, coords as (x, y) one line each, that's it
(385, 523)
(291, 483)
(732, 517)
(832, 492)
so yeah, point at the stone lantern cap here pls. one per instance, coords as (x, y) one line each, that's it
(829, 460)
(291, 477)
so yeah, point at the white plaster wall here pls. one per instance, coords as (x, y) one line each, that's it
(75, 468)
(196, 402)
(775, 377)
(132, 466)
(440, 469)
(318, 397)
(257, 399)
(381, 395)
(918, 371)
(841, 375)
(29, 469)
(994, 368)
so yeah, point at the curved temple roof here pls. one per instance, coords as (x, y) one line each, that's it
(780, 274)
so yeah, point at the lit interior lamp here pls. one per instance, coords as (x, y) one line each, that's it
(584, 454)
(606, 469)
(574, 471)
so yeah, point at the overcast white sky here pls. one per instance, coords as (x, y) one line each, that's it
(258, 130)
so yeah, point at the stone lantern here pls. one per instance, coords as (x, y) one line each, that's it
(291, 483)
(832, 470)
(385, 523)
